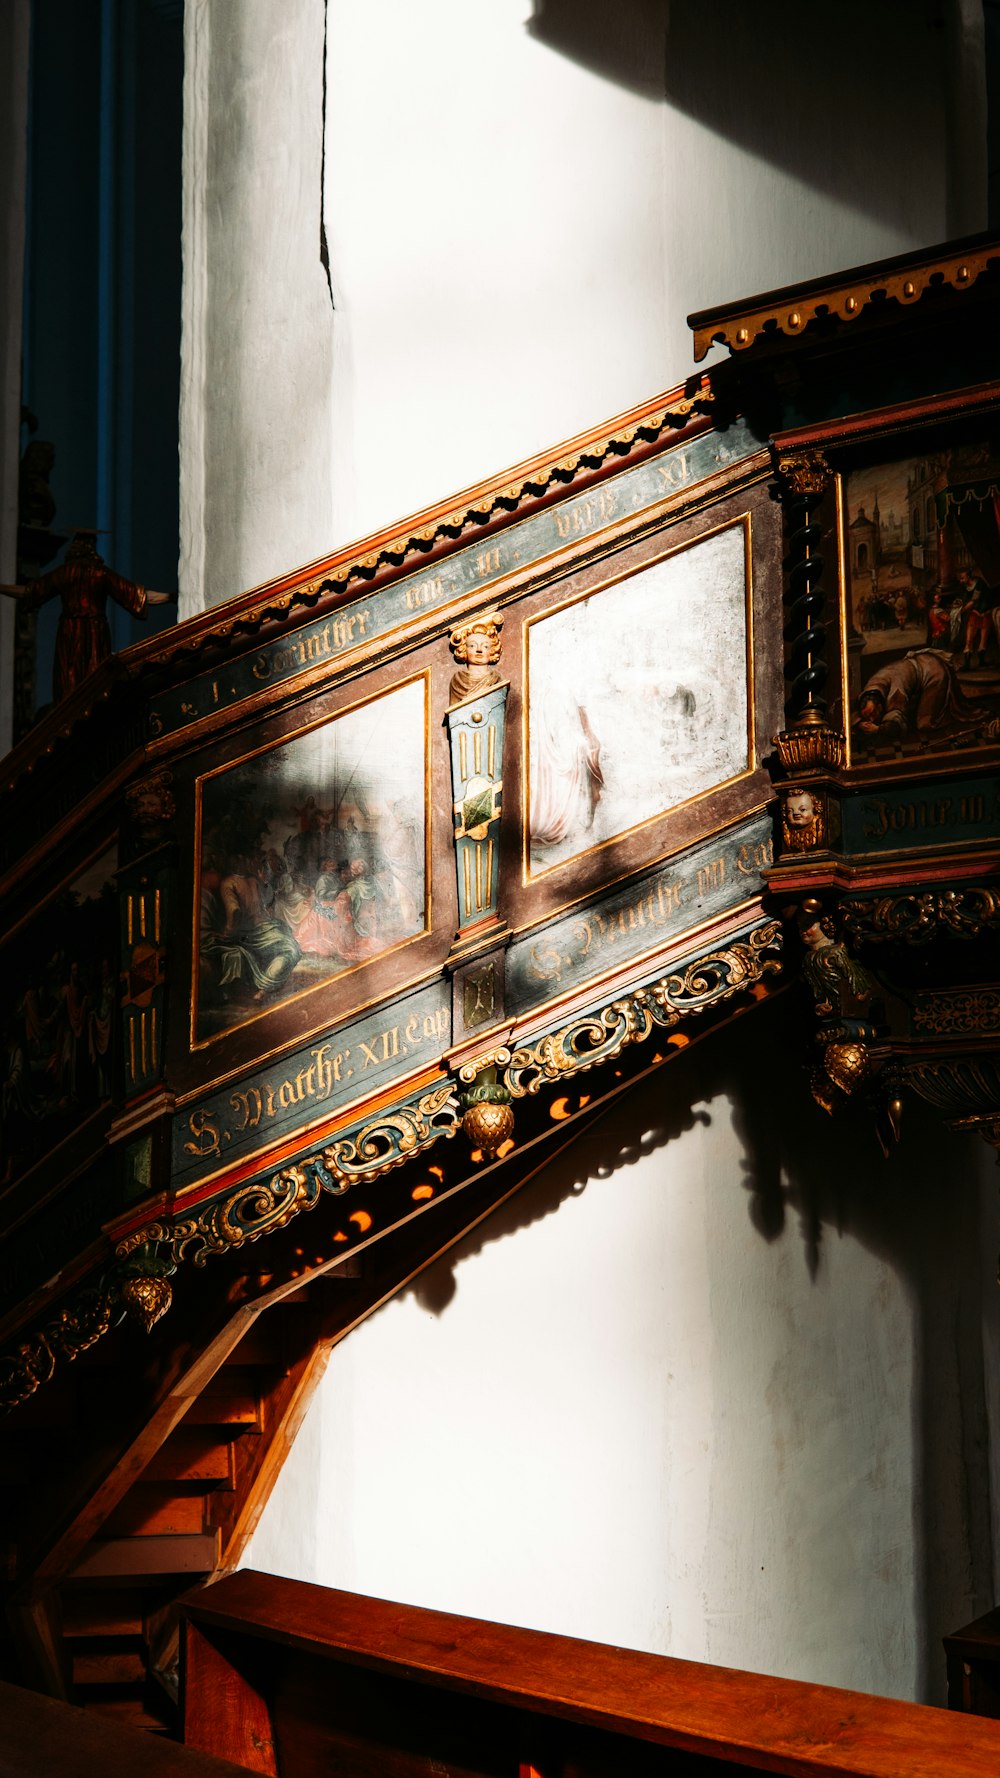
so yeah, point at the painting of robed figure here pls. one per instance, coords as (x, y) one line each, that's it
(312, 858)
(638, 698)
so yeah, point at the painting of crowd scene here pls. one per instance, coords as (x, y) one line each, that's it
(58, 1009)
(637, 698)
(923, 642)
(312, 859)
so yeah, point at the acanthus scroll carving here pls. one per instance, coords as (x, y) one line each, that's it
(600, 1037)
(915, 919)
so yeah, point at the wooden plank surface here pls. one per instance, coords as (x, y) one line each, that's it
(40, 1738)
(775, 1725)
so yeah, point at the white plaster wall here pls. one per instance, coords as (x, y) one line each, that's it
(712, 1386)
(523, 200)
(257, 321)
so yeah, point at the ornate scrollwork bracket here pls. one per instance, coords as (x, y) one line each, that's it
(601, 1036)
(361, 1155)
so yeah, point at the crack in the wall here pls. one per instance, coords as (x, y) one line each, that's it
(324, 249)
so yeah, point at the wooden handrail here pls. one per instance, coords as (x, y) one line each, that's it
(278, 1671)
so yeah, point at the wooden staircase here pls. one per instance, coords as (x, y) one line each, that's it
(185, 1516)
(142, 1469)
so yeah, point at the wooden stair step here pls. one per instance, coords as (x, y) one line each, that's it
(118, 1557)
(103, 1667)
(152, 1509)
(230, 1398)
(260, 1345)
(192, 1455)
(103, 1612)
(132, 1711)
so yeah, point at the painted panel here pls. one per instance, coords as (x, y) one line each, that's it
(58, 1017)
(921, 548)
(312, 858)
(663, 905)
(305, 1088)
(638, 698)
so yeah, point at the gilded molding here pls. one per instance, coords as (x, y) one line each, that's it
(811, 747)
(805, 473)
(915, 919)
(790, 311)
(601, 1036)
(966, 1088)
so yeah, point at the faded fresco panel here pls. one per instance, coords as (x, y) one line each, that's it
(923, 602)
(313, 858)
(637, 698)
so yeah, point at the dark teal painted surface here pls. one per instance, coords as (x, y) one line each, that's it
(329, 1071)
(664, 904)
(914, 816)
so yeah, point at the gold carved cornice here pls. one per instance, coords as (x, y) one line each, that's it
(790, 310)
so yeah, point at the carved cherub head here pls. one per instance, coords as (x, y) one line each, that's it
(800, 808)
(476, 646)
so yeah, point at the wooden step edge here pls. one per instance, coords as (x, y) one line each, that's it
(137, 1557)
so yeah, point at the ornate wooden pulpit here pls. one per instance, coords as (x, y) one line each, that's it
(331, 913)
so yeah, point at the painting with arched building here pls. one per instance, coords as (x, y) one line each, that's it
(921, 548)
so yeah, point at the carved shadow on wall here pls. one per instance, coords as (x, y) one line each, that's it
(825, 1180)
(777, 94)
